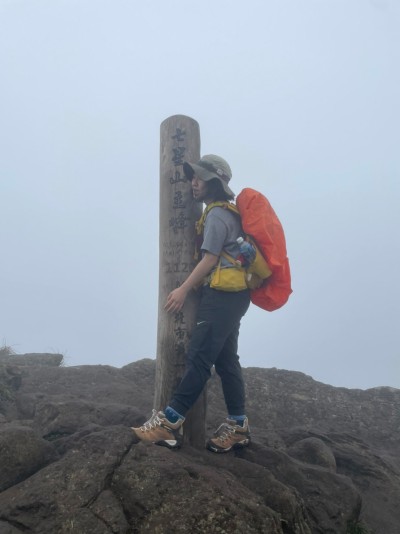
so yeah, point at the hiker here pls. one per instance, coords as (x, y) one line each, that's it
(214, 340)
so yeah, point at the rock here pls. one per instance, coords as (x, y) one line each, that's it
(107, 507)
(32, 359)
(10, 381)
(62, 417)
(279, 497)
(59, 497)
(164, 492)
(313, 451)
(22, 453)
(6, 528)
(377, 479)
(331, 500)
(321, 457)
(91, 383)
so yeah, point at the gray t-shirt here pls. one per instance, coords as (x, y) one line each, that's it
(221, 229)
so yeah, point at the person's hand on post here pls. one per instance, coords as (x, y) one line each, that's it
(176, 299)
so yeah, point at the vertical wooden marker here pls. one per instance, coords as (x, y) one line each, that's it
(180, 141)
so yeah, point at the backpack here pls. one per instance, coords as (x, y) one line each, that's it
(262, 226)
(261, 222)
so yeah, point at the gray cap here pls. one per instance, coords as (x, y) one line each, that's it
(210, 167)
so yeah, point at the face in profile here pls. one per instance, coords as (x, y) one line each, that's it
(199, 188)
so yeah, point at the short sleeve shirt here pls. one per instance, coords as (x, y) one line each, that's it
(221, 229)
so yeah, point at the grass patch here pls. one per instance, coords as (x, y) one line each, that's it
(6, 393)
(6, 350)
(356, 527)
(6, 389)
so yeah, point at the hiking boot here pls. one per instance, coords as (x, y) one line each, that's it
(160, 431)
(230, 436)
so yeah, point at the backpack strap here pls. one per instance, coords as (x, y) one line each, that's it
(230, 259)
(201, 222)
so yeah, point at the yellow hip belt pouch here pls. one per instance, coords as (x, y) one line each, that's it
(238, 278)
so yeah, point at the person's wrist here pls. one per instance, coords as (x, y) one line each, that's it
(185, 286)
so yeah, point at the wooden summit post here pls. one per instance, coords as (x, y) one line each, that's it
(180, 141)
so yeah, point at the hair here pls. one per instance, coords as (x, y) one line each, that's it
(216, 191)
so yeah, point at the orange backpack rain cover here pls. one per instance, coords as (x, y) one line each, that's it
(261, 222)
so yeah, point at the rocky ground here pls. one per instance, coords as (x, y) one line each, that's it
(323, 459)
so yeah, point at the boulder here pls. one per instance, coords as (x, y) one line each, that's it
(313, 451)
(321, 458)
(60, 497)
(22, 453)
(165, 492)
(31, 358)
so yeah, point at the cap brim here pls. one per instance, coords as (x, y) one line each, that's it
(190, 169)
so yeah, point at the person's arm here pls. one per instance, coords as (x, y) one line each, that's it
(176, 298)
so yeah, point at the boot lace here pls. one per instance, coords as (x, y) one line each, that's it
(224, 431)
(153, 422)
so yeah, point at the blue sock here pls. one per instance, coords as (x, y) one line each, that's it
(172, 415)
(239, 419)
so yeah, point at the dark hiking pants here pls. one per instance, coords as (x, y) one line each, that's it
(215, 342)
